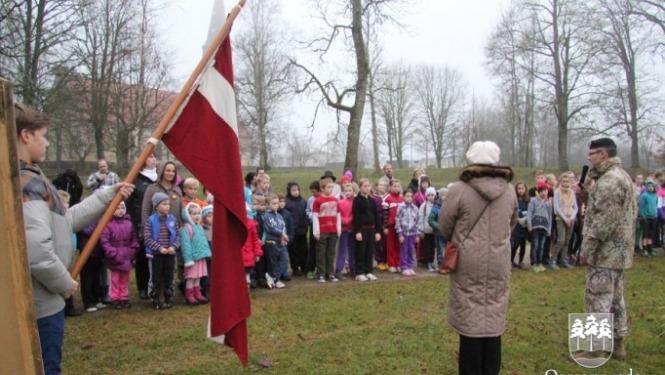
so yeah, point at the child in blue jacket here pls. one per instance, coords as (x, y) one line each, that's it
(648, 213)
(195, 251)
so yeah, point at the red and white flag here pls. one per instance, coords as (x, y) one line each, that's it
(204, 138)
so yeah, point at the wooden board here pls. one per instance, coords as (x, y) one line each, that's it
(19, 341)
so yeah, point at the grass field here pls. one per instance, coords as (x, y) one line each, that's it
(393, 326)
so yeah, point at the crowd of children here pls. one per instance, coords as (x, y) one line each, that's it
(345, 230)
(552, 217)
(353, 227)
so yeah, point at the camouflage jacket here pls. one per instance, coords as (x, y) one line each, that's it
(609, 225)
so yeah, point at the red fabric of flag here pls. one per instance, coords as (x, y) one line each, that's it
(204, 138)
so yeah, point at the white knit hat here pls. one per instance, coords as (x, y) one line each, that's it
(483, 152)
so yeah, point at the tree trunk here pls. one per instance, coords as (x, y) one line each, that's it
(99, 140)
(632, 100)
(362, 68)
(375, 133)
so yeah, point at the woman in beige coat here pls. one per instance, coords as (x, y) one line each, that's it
(480, 211)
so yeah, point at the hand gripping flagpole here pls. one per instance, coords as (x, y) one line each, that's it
(157, 136)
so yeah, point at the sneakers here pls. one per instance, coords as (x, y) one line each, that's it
(126, 304)
(540, 268)
(409, 273)
(270, 283)
(322, 279)
(333, 279)
(361, 278)
(431, 267)
(156, 305)
(382, 266)
(91, 309)
(117, 305)
(392, 269)
(371, 277)
(566, 265)
(310, 275)
(279, 285)
(553, 266)
(168, 303)
(340, 276)
(100, 305)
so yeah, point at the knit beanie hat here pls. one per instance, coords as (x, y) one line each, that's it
(430, 190)
(158, 198)
(443, 191)
(483, 152)
(542, 186)
(205, 211)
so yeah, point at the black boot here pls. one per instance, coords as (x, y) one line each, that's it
(143, 294)
(70, 309)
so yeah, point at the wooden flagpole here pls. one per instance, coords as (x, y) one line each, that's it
(156, 136)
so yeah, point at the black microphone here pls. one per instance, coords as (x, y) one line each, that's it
(585, 170)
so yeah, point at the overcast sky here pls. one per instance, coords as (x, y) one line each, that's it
(449, 33)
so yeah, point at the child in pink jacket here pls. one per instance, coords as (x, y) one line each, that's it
(120, 247)
(346, 249)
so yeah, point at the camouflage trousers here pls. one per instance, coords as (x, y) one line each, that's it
(604, 294)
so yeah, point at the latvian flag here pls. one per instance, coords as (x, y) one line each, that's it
(204, 138)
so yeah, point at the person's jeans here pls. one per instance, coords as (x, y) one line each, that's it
(51, 335)
(279, 259)
(440, 248)
(538, 237)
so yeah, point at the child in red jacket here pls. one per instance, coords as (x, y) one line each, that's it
(251, 250)
(390, 203)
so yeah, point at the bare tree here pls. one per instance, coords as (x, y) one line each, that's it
(561, 41)
(622, 38)
(106, 40)
(262, 71)
(653, 11)
(396, 106)
(349, 26)
(513, 64)
(441, 93)
(35, 38)
(300, 150)
(375, 66)
(139, 98)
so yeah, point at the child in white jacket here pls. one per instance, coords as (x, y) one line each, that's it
(426, 232)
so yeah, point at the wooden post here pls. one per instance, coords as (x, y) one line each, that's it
(19, 342)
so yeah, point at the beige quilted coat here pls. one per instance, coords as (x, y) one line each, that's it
(480, 286)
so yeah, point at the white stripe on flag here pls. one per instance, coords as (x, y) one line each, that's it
(219, 93)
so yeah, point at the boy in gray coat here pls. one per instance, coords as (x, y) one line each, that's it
(48, 233)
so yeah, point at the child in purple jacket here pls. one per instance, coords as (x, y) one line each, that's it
(406, 226)
(120, 247)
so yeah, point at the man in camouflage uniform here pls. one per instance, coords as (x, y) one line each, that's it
(609, 237)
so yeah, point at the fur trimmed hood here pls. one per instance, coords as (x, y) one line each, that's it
(483, 170)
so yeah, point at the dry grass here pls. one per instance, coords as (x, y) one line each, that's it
(394, 326)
